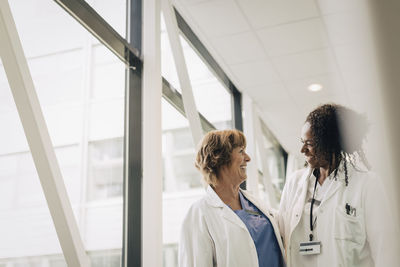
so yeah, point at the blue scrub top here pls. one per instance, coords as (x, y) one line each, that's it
(262, 232)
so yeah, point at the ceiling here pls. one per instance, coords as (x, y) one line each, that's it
(274, 49)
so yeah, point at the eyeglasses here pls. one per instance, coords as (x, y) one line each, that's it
(307, 142)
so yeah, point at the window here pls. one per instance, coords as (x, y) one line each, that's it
(80, 86)
(114, 12)
(104, 258)
(275, 163)
(105, 169)
(212, 99)
(180, 173)
(182, 181)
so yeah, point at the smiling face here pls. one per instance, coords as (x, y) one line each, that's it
(313, 158)
(237, 168)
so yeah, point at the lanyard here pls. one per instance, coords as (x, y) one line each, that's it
(311, 208)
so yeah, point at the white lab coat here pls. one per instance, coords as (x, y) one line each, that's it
(365, 239)
(213, 235)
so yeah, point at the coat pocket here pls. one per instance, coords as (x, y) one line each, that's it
(349, 228)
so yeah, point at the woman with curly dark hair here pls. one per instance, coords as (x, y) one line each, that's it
(331, 212)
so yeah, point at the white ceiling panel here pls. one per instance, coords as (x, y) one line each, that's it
(331, 87)
(338, 6)
(219, 18)
(270, 96)
(239, 48)
(309, 103)
(294, 37)
(266, 13)
(286, 127)
(255, 73)
(282, 130)
(344, 28)
(306, 64)
(272, 100)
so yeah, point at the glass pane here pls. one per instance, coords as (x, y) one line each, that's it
(108, 74)
(274, 162)
(26, 227)
(105, 169)
(168, 69)
(212, 99)
(113, 12)
(40, 37)
(103, 258)
(182, 181)
(80, 86)
(107, 258)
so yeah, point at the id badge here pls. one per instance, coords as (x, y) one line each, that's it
(310, 248)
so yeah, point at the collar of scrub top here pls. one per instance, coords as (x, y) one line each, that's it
(244, 203)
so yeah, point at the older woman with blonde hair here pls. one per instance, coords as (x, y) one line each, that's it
(228, 227)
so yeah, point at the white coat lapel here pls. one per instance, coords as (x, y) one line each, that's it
(213, 199)
(230, 215)
(336, 185)
(226, 212)
(300, 199)
(331, 191)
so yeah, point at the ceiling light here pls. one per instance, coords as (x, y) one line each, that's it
(315, 87)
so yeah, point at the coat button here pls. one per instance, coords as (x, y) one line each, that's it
(297, 215)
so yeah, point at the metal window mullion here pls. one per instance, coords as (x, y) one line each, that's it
(132, 225)
(96, 25)
(133, 165)
(237, 109)
(237, 119)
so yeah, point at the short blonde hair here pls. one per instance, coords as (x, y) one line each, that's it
(215, 151)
